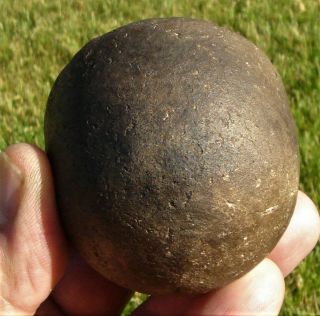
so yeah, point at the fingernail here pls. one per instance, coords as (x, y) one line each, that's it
(10, 185)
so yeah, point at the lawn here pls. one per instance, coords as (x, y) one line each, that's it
(37, 38)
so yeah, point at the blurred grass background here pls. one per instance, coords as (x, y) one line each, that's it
(38, 37)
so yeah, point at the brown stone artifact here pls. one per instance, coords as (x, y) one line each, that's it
(174, 155)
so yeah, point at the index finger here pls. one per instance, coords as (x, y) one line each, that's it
(300, 237)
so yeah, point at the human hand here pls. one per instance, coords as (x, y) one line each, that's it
(39, 274)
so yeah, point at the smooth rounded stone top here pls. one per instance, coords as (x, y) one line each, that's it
(174, 155)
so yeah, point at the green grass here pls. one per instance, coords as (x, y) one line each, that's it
(37, 38)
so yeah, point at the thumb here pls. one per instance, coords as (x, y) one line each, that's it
(33, 252)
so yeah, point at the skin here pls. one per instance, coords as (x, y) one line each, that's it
(42, 274)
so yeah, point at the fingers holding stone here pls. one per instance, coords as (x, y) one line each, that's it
(299, 238)
(32, 243)
(259, 292)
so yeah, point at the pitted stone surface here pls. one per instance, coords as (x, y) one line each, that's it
(174, 155)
